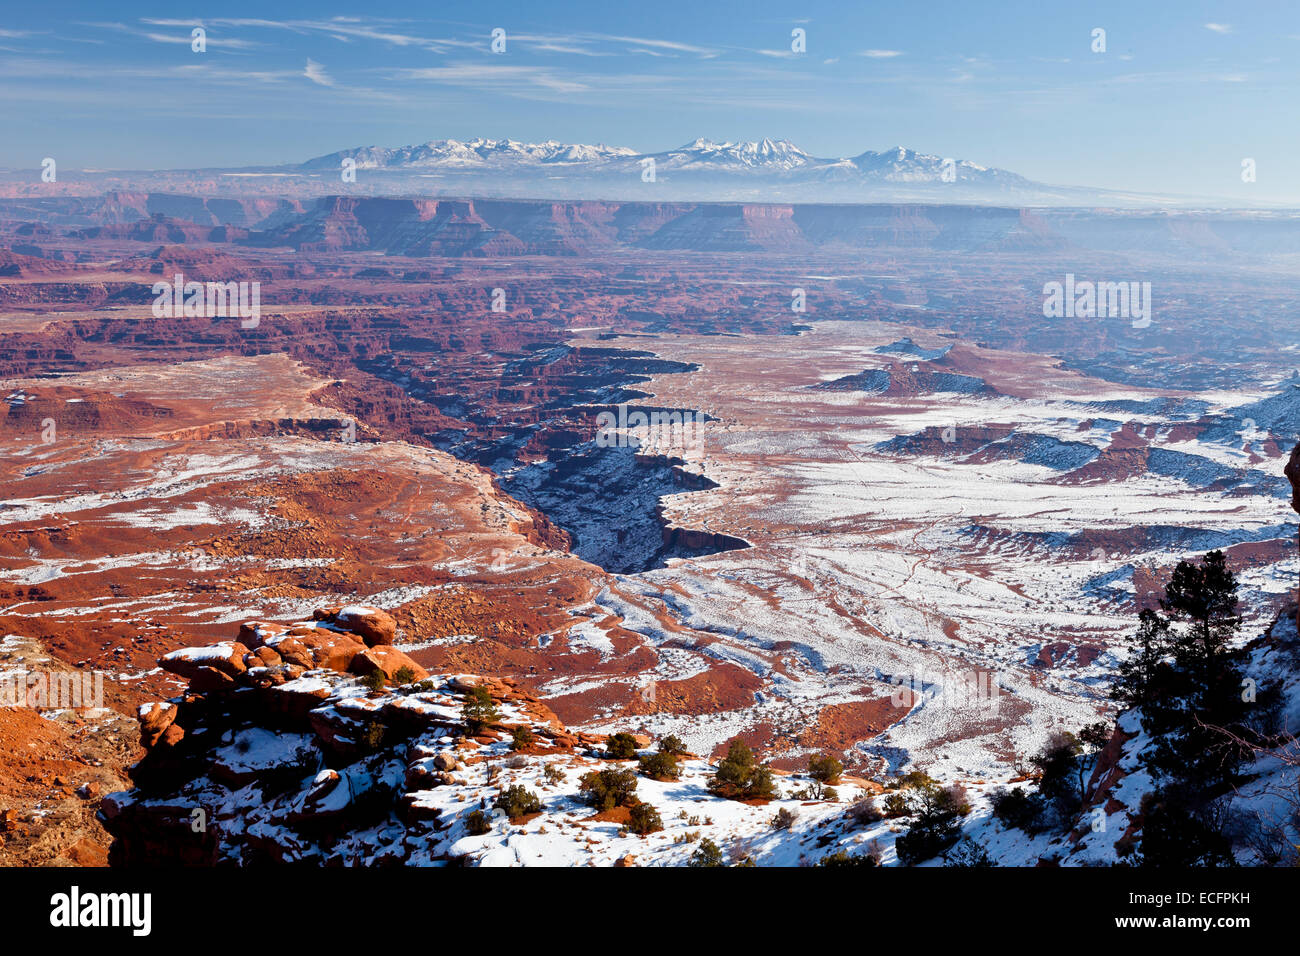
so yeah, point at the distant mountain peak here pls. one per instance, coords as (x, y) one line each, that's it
(778, 167)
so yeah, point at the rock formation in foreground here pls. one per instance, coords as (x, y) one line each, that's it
(288, 747)
(1293, 473)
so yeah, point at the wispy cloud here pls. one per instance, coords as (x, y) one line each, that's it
(343, 29)
(216, 42)
(550, 44)
(1219, 27)
(672, 45)
(495, 76)
(881, 54)
(316, 73)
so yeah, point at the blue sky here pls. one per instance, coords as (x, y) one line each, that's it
(1184, 92)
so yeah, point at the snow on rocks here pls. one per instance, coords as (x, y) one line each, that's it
(371, 624)
(322, 768)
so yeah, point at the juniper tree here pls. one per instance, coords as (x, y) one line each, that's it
(478, 710)
(1137, 675)
(1205, 595)
(740, 777)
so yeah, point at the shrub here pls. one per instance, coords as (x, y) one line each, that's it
(403, 675)
(915, 780)
(1176, 834)
(707, 854)
(477, 823)
(740, 777)
(864, 812)
(518, 801)
(896, 805)
(672, 744)
(479, 710)
(830, 794)
(966, 854)
(621, 747)
(643, 818)
(660, 766)
(925, 839)
(783, 820)
(374, 681)
(937, 826)
(371, 736)
(607, 789)
(954, 799)
(1017, 809)
(552, 774)
(521, 738)
(825, 769)
(844, 858)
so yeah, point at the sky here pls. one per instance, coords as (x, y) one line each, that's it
(1183, 93)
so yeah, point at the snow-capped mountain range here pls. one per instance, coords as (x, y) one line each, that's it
(704, 170)
(779, 158)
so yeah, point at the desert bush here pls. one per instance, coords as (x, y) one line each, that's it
(374, 681)
(707, 853)
(672, 744)
(606, 789)
(371, 736)
(642, 818)
(518, 801)
(937, 825)
(955, 799)
(621, 747)
(740, 777)
(403, 675)
(966, 854)
(1018, 809)
(1179, 833)
(477, 823)
(914, 780)
(864, 812)
(660, 766)
(521, 738)
(825, 769)
(896, 805)
(783, 820)
(479, 710)
(844, 858)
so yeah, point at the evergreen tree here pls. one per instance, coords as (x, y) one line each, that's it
(606, 789)
(1137, 675)
(1206, 596)
(740, 777)
(478, 710)
(1176, 834)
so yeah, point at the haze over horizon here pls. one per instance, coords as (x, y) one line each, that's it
(1180, 97)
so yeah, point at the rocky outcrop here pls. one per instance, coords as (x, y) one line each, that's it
(276, 750)
(370, 623)
(327, 769)
(1293, 474)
